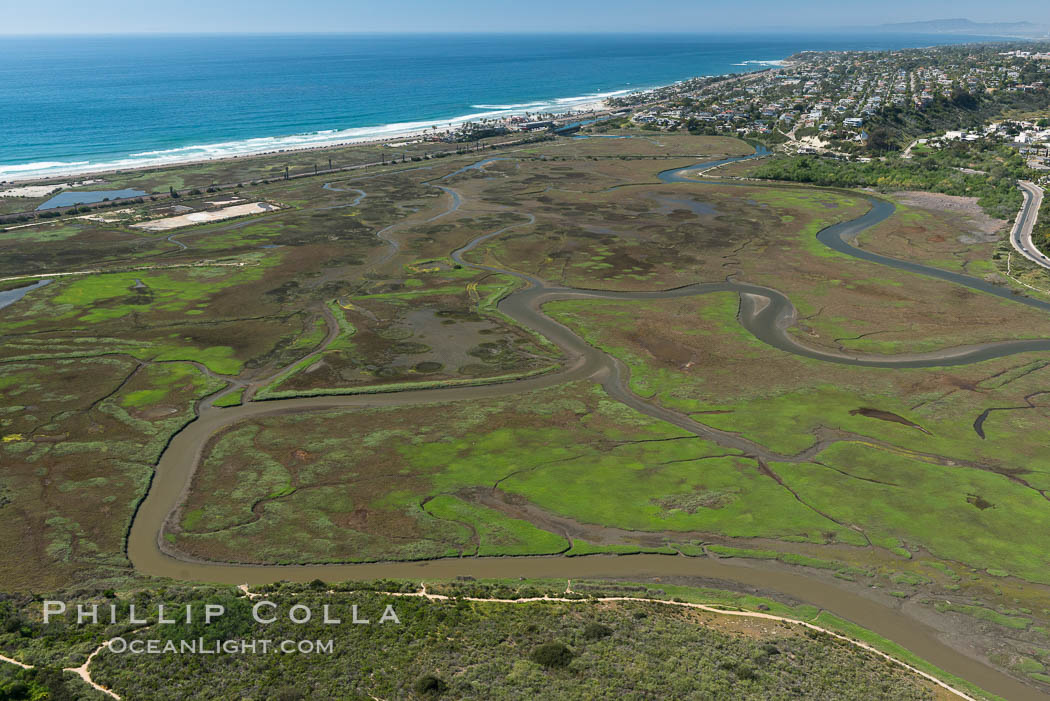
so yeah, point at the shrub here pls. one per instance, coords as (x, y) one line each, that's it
(429, 685)
(764, 652)
(16, 690)
(552, 655)
(596, 631)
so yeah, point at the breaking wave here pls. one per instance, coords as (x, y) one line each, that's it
(316, 139)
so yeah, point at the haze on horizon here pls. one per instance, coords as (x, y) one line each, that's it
(351, 16)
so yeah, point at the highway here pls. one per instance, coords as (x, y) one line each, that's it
(1021, 236)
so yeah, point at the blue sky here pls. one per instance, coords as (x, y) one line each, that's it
(192, 16)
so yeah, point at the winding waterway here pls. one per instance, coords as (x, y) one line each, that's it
(764, 312)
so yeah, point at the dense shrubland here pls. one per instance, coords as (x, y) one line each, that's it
(986, 171)
(446, 649)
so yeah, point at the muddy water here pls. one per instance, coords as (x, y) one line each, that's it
(765, 312)
(678, 175)
(891, 624)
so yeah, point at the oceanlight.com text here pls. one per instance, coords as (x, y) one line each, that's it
(217, 647)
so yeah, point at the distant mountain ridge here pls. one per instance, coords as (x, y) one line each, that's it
(965, 26)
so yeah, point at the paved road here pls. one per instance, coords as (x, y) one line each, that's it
(1021, 236)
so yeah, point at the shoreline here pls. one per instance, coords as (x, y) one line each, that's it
(581, 110)
(363, 141)
(51, 168)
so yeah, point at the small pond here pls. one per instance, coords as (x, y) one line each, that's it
(68, 199)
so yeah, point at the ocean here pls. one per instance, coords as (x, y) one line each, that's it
(80, 104)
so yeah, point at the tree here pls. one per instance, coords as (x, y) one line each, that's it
(963, 99)
(880, 140)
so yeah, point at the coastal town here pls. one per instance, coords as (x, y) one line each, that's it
(829, 102)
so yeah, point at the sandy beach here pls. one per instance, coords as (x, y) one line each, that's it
(264, 146)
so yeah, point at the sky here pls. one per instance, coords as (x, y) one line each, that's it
(282, 16)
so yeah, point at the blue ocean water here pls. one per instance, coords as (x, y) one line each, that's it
(75, 104)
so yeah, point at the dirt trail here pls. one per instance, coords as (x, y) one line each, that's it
(81, 671)
(422, 593)
(9, 660)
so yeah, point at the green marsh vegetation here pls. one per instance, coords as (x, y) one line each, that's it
(443, 467)
(896, 483)
(100, 371)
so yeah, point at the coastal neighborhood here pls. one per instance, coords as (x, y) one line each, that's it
(828, 102)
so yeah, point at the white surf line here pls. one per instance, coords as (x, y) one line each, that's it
(83, 673)
(422, 593)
